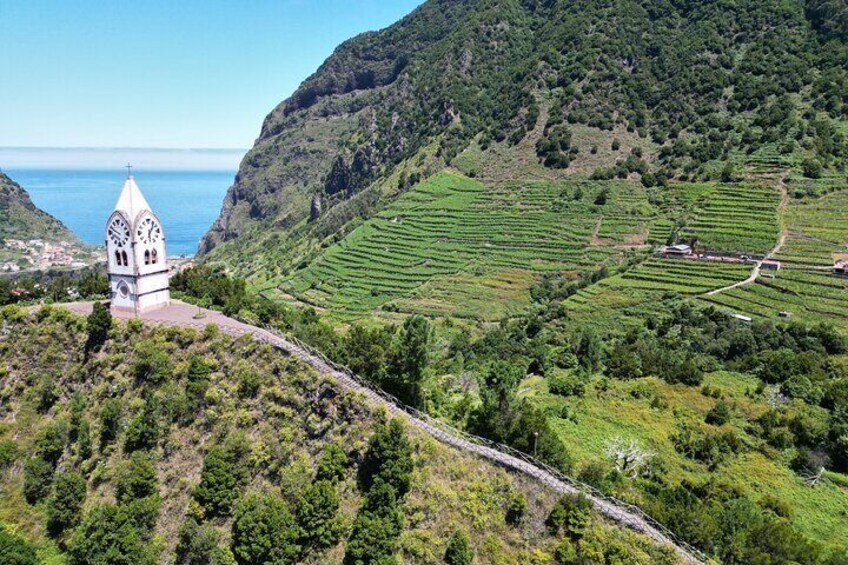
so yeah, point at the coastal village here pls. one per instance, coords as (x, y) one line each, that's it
(17, 255)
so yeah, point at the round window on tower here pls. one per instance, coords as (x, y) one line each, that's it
(123, 289)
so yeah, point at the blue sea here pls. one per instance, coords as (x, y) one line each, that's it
(187, 202)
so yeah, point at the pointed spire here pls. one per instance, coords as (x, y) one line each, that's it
(131, 201)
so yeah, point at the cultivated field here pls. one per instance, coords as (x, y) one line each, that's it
(453, 246)
(804, 287)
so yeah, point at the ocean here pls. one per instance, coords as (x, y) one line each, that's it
(187, 202)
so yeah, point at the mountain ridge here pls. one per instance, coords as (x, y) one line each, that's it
(681, 91)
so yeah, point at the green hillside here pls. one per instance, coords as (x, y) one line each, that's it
(20, 219)
(125, 444)
(539, 89)
(469, 208)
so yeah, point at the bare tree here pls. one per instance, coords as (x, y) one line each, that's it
(629, 458)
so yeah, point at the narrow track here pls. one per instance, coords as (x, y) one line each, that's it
(784, 233)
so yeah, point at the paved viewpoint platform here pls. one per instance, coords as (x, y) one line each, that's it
(177, 313)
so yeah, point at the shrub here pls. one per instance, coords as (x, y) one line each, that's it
(567, 385)
(136, 478)
(719, 414)
(570, 516)
(389, 457)
(38, 477)
(249, 382)
(459, 551)
(565, 552)
(198, 545)
(264, 531)
(65, 506)
(14, 550)
(8, 453)
(317, 509)
(516, 507)
(333, 464)
(98, 324)
(110, 420)
(48, 392)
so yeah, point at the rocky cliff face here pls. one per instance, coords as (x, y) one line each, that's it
(698, 82)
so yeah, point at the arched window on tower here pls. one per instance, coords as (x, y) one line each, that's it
(124, 257)
(147, 257)
(118, 258)
(154, 257)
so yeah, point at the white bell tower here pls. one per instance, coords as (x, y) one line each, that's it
(135, 247)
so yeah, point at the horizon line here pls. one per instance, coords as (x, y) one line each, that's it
(118, 148)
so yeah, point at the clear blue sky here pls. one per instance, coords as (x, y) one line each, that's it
(163, 73)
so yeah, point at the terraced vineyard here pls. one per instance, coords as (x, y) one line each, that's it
(684, 276)
(456, 247)
(805, 286)
(736, 218)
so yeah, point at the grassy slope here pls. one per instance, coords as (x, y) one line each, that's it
(288, 423)
(598, 417)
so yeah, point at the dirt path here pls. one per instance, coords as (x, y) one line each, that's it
(784, 233)
(182, 314)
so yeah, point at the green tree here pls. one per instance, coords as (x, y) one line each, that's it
(112, 535)
(38, 477)
(50, 443)
(110, 420)
(414, 355)
(376, 527)
(389, 457)
(143, 430)
(152, 364)
(197, 381)
(136, 478)
(333, 464)
(14, 550)
(264, 531)
(570, 515)
(64, 508)
(459, 551)
(84, 449)
(316, 511)
(198, 545)
(222, 477)
(812, 168)
(98, 324)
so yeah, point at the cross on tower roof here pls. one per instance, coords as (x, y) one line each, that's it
(129, 171)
